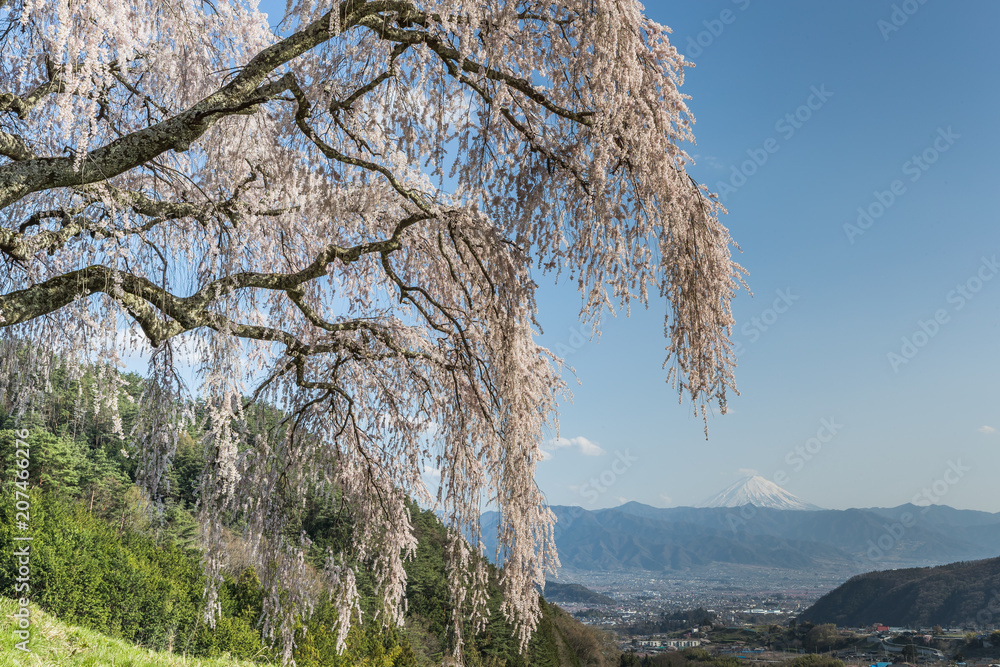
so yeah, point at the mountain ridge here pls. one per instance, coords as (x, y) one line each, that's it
(758, 491)
(963, 594)
(634, 536)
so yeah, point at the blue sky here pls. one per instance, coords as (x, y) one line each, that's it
(890, 107)
(903, 124)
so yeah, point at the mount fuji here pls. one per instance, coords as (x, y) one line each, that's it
(759, 492)
(635, 536)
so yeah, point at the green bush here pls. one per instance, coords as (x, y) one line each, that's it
(813, 660)
(697, 654)
(233, 636)
(123, 584)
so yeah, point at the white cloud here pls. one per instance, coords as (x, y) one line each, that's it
(709, 160)
(581, 444)
(432, 472)
(667, 500)
(747, 472)
(988, 430)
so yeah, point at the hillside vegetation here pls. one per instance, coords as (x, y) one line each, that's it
(576, 593)
(107, 561)
(965, 594)
(699, 657)
(57, 644)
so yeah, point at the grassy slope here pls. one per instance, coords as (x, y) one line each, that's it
(56, 643)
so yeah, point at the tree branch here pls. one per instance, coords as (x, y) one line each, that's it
(246, 91)
(14, 147)
(139, 295)
(22, 106)
(447, 52)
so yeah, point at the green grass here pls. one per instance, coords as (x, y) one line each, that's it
(55, 643)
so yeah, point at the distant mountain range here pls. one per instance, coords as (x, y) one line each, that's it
(640, 537)
(759, 492)
(957, 595)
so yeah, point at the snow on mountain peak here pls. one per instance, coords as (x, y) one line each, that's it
(760, 492)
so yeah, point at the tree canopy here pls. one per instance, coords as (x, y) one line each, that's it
(343, 214)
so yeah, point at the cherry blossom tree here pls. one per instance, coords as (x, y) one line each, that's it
(344, 214)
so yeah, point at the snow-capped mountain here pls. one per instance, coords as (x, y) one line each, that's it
(760, 492)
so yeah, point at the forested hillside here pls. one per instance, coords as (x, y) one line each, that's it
(103, 557)
(557, 592)
(957, 595)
